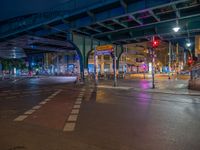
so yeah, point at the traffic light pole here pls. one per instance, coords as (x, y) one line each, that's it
(153, 68)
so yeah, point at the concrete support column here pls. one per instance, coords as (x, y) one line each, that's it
(102, 64)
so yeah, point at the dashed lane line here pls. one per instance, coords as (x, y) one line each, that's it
(71, 122)
(29, 112)
(42, 103)
(79, 99)
(77, 106)
(72, 117)
(47, 99)
(21, 118)
(69, 126)
(36, 107)
(78, 102)
(75, 111)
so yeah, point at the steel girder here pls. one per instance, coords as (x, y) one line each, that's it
(21, 24)
(187, 25)
(37, 20)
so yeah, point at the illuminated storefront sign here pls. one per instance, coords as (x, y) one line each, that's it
(105, 48)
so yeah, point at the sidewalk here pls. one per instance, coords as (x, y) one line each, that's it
(178, 87)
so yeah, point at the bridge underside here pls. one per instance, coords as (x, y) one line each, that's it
(115, 21)
(77, 25)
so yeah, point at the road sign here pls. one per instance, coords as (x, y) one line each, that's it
(105, 48)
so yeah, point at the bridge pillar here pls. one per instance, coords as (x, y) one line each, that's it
(74, 40)
(84, 44)
(119, 52)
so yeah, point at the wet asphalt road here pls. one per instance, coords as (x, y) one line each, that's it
(108, 118)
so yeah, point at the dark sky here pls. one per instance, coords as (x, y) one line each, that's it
(14, 8)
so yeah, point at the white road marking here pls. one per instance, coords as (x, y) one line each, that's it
(71, 122)
(21, 118)
(75, 111)
(78, 102)
(36, 107)
(79, 99)
(48, 99)
(29, 112)
(42, 103)
(52, 96)
(72, 117)
(76, 106)
(69, 126)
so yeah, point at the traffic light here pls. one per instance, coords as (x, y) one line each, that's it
(155, 43)
(190, 61)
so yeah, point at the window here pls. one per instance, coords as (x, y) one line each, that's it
(106, 67)
(106, 57)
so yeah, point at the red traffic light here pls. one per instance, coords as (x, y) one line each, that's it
(155, 43)
(190, 61)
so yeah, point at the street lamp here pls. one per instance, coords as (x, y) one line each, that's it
(176, 28)
(188, 44)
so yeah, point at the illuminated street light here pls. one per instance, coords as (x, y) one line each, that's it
(188, 44)
(176, 29)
